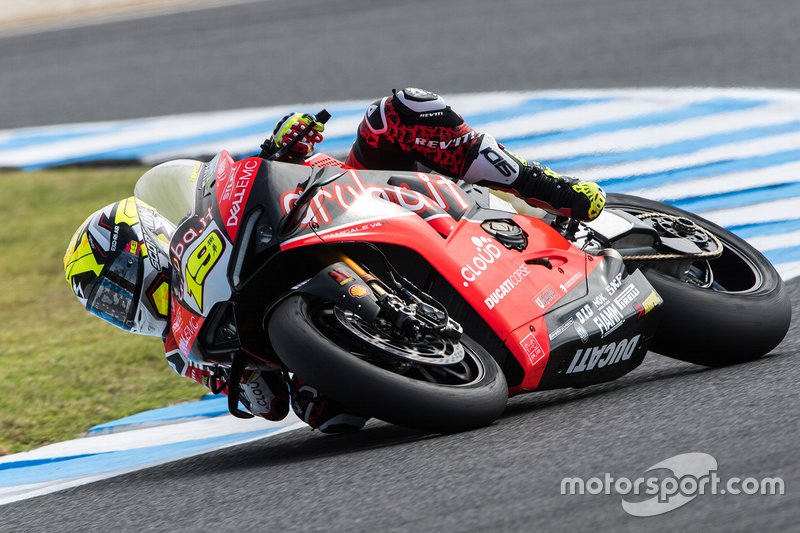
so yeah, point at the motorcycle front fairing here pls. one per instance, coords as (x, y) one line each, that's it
(189, 213)
(534, 299)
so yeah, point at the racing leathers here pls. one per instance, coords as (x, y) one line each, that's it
(414, 126)
(399, 132)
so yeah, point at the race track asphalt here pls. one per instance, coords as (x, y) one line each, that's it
(505, 477)
(289, 51)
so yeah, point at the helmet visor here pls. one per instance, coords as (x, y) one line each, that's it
(116, 295)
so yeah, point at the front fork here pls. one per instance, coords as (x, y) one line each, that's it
(408, 309)
(380, 289)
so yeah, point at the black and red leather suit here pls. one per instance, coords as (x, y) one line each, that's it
(414, 127)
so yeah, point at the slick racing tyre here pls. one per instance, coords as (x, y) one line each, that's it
(376, 373)
(723, 311)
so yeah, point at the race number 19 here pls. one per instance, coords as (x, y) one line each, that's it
(200, 263)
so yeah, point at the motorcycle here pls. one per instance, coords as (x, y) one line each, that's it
(422, 302)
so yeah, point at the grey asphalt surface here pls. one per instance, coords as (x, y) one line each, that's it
(289, 51)
(505, 477)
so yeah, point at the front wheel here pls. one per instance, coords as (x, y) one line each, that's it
(432, 383)
(727, 310)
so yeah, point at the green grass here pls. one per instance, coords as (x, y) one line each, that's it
(61, 369)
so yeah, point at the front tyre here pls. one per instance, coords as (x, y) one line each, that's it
(724, 311)
(309, 339)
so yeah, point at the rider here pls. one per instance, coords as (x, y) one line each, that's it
(108, 265)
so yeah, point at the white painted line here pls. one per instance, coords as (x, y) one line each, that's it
(742, 150)
(149, 436)
(762, 212)
(735, 181)
(789, 270)
(659, 135)
(773, 242)
(15, 493)
(574, 117)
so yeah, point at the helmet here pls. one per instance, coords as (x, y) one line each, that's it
(113, 273)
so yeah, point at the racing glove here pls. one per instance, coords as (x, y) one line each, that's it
(286, 130)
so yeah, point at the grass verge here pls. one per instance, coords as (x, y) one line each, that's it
(63, 370)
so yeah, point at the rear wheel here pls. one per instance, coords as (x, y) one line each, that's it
(716, 312)
(431, 383)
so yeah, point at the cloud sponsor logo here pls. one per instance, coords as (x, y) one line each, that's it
(240, 191)
(486, 254)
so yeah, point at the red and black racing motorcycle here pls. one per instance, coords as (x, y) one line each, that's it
(422, 302)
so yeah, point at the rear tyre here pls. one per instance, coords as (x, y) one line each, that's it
(740, 316)
(310, 341)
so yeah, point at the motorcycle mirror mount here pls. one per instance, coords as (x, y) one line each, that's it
(295, 215)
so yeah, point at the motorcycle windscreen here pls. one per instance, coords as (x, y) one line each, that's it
(165, 196)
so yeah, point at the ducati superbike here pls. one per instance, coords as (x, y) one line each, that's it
(410, 298)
